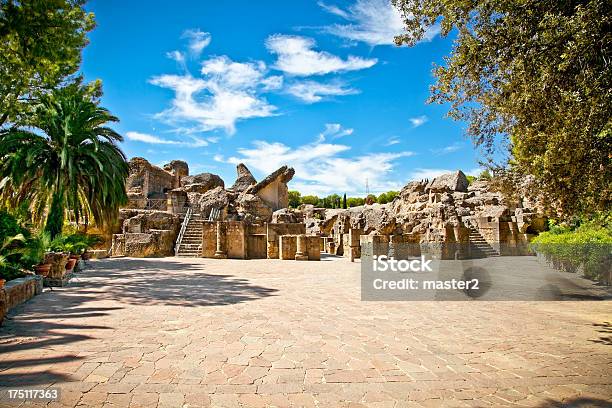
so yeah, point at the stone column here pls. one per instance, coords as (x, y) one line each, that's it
(302, 252)
(220, 252)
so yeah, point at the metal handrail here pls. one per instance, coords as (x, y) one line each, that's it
(179, 239)
(214, 214)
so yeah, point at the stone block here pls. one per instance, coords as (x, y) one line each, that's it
(287, 246)
(17, 291)
(313, 247)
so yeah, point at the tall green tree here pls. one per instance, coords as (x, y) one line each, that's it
(537, 75)
(294, 198)
(40, 46)
(66, 161)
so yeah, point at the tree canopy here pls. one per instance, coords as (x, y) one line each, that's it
(537, 76)
(40, 45)
(64, 161)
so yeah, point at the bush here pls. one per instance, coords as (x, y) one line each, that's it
(9, 272)
(75, 243)
(387, 197)
(585, 247)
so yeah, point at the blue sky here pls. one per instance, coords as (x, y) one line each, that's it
(315, 85)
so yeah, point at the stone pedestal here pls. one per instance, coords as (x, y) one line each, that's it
(301, 253)
(220, 253)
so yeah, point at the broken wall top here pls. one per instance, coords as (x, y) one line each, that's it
(283, 175)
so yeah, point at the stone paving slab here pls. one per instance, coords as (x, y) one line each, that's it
(229, 333)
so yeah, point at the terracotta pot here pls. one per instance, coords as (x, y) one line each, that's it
(75, 256)
(2, 283)
(70, 264)
(42, 269)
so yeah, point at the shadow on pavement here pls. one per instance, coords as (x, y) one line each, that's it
(156, 282)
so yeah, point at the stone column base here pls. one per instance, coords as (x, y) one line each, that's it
(301, 257)
(220, 255)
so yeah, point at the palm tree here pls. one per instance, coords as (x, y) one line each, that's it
(66, 163)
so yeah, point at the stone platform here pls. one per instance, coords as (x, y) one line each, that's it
(178, 332)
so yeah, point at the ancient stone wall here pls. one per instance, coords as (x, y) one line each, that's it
(274, 231)
(17, 291)
(209, 239)
(155, 243)
(236, 238)
(148, 180)
(313, 247)
(287, 247)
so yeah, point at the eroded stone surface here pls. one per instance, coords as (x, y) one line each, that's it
(202, 332)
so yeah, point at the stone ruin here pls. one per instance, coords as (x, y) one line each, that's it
(166, 204)
(446, 217)
(173, 213)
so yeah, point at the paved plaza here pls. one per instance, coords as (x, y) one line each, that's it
(178, 332)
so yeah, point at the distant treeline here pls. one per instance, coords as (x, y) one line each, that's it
(337, 201)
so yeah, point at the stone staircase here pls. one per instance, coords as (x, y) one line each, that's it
(191, 244)
(479, 247)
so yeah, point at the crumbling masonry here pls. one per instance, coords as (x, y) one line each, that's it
(173, 213)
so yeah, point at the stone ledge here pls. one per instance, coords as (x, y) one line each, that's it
(59, 282)
(17, 291)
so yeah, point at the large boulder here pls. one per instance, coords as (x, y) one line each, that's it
(448, 183)
(146, 220)
(218, 198)
(179, 168)
(252, 208)
(244, 179)
(273, 189)
(201, 183)
(286, 216)
(157, 243)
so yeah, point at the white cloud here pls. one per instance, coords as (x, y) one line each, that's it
(296, 56)
(448, 149)
(150, 139)
(393, 141)
(312, 91)
(176, 56)
(375, 22)
(418, 121)
(330, 8)
(426, 173)
(227, 92)
(319, 167)
(334, 131)
(197, 41)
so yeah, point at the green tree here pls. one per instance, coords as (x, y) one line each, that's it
(40, 45)
(294, 198)
(355, 201)
(310, 199)
(332, 201)
(387, 197)
(537, 73)
(484, 175)
(65, 161)
(370, 199)
(344, 202)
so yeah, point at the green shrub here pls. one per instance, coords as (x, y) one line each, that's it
(75, 243)
(586, 247)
